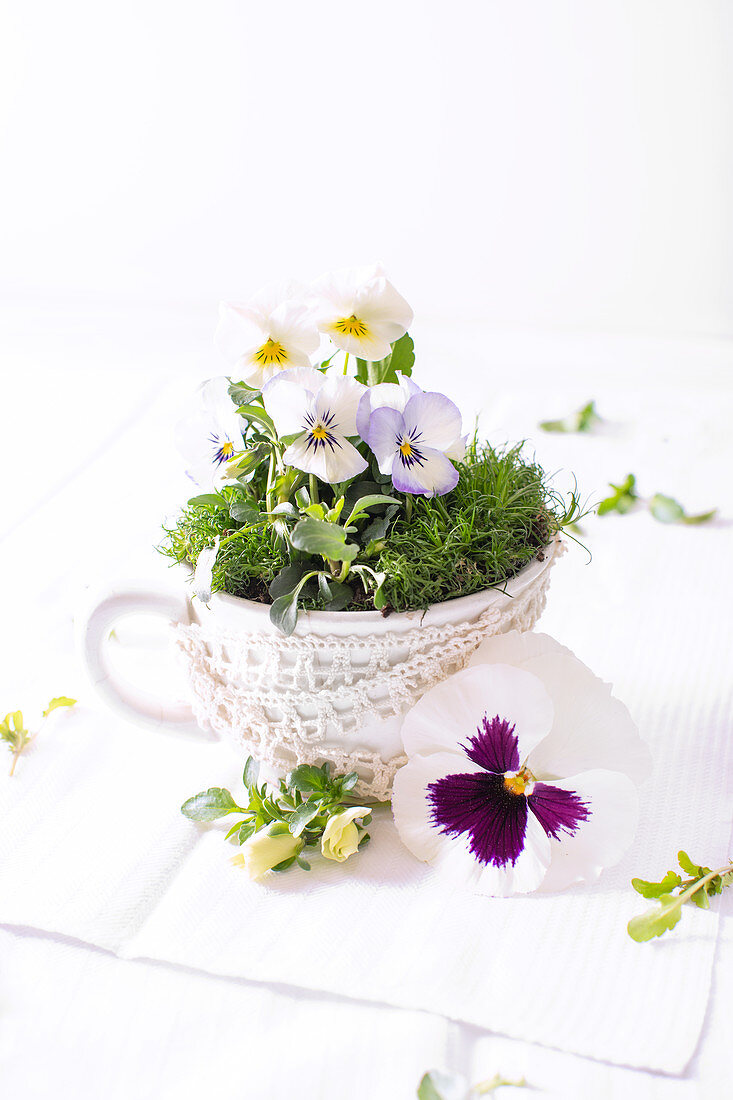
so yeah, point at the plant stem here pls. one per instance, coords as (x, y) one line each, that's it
(270, 479)
(700, 882)
(16, 757)
(313, 486)
(346, 362)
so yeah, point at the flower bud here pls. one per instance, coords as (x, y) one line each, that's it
(263, 851)
(341, 836)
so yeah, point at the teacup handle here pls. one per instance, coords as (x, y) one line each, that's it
(105, 609)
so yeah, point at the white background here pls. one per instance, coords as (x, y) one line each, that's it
(558, 163)
(548, 184)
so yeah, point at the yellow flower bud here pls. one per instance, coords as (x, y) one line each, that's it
(341, 836)
(263, 851)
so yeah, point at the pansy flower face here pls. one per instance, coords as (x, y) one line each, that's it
(272, 332)
(211, 436)
(412, 444)
(360, 310)
(502, 789)
(321, 412)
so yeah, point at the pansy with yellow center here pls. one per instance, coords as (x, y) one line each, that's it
(321, 409)
(413, 444)
(360, 310)
(522, 771)
(275, 331)
(211, 435)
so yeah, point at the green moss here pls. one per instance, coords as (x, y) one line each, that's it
(501, 513)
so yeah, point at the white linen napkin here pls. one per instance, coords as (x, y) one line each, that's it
(94, 846)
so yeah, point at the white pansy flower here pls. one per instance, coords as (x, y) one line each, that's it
(321, 409)
(522, 771)
(272, 332)
(209, 437)
(361, 311)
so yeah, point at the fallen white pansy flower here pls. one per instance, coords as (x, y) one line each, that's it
(522, 771)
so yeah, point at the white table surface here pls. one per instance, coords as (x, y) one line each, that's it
(87, 472)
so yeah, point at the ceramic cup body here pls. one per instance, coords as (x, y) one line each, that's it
(325, 678)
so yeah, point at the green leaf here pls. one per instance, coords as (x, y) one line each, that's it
(582, 420)
(243, 512)
(258, 414)
(436, 1085)
(700, 897)
(348, 782)
(622, 500)
(315, 536)
(370, 501)
(207, 500)
(665, 509)
(208, 805)
(306, 778)
(284, 612)
(657, 920)
(287, 579)
(245, 832)
(251, 772)
(338, 595)
(59, 701)
(656, 889)
(689, 867)
(403, 355)
(303, 816)
(702, 517)
(242, 394)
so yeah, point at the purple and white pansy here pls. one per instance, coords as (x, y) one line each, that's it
(320, 410)
(522, 771)
(413, 445)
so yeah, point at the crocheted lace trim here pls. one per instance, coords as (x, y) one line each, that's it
(302, 700)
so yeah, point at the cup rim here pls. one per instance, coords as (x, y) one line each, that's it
(465, 607)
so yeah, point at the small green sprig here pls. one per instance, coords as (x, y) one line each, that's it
(437, 1085)
(17, 737)
(701, 884)
(664, 509)
(582, 420)
(305, 806)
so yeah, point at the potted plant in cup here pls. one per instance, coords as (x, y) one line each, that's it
(350, 546)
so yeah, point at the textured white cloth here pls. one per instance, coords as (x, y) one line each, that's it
(94, 847)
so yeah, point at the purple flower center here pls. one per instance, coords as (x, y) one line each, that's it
(491, 806)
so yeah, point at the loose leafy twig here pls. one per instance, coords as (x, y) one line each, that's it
(301, 807)
(582, 420)
(437, 1085)
(664, 509)
(17, 737)
(701, 884)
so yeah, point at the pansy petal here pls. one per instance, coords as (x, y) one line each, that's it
(368, 345)
(522, 877)
(425, 472)
(385, 427)
(515, 648)
(339, 398)
(238, 330)
(287, 403)
(384, 395)
(333, 460)
(457, 450)
(602, 839)
(413, 811)
(591, 728)
(434, 419)
(452, 711)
